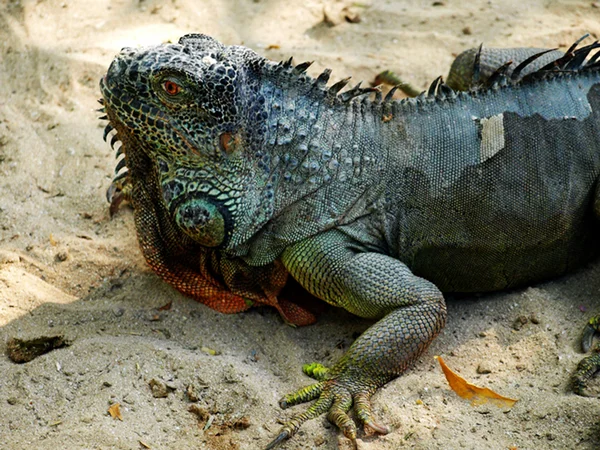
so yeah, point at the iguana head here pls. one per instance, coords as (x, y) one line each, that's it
(194, 110)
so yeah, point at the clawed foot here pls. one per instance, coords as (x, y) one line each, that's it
(335, 395)
(589, 365)
(118, 192)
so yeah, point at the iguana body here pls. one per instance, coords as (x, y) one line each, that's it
(243, 171)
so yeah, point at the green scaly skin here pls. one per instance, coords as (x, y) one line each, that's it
(243, 172)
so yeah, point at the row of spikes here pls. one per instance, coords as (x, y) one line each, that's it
(437, 89)
(122, 164)
(322, 80)
(574, 60)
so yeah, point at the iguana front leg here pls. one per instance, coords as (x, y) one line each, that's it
(411, 310)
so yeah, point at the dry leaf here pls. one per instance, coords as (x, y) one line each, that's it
(115, 411)
(143, 444)
(477, 395)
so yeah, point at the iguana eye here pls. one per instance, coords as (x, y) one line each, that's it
(171, 88)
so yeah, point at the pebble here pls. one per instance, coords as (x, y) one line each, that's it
(483, 368)
(159, 389)
(62, 255)
(520, 322)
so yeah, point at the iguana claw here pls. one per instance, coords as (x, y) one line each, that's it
(278, 440)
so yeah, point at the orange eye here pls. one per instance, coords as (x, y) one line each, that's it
(171, 87)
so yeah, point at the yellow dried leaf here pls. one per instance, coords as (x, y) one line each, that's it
(475, 394)
(115, 411)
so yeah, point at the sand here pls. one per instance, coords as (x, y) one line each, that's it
(67, 269)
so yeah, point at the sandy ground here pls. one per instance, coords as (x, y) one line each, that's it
(66, 269)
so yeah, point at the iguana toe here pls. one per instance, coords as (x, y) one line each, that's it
(306, 394)
(586, 369)
(589, 365)
(362, 406)
(589, 331)
(338, 416)
(321, 406)
(118, 192)
(316, 371)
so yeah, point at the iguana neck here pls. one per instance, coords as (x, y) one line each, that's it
(318, 149)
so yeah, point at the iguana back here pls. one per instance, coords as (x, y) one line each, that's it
(495, 189)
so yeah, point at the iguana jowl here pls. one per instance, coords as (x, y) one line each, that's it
(242, 171)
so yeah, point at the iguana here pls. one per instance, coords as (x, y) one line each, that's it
(243, 172)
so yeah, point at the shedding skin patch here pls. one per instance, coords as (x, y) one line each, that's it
(492, 136)
(209, 60)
